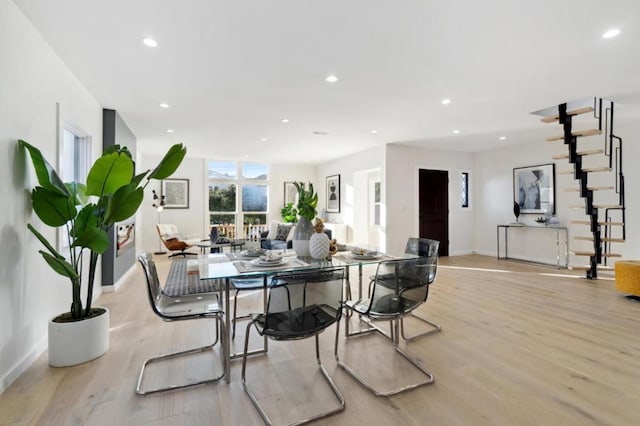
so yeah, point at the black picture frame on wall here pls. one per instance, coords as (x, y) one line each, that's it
(534, 189)
(333, 194)
(175, 193)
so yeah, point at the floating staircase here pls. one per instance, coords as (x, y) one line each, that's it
(606, 220)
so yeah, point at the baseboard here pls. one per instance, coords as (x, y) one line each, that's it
(23, 365)
(120, 282)
(461, 252)
(485, 253)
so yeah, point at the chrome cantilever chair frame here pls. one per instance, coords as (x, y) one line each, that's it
(298, 279)
(374, 310)
(420, 247)
(181, 308)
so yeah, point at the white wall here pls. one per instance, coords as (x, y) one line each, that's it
(403, 164)
(347, 167)
(32, 80)
(494, 201)
(194, 220)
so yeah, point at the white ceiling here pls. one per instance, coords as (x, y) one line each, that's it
(231, 70)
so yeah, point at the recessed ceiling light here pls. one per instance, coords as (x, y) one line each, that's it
(170, 131)
(164, 105)
(373, 132)
(445, 101)
(331, 79)
(264, 139)
(285, 120)
(150, 42)
(502, 138)
(611, 33)
(456, 131)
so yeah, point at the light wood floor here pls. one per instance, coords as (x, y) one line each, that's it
(521, 345)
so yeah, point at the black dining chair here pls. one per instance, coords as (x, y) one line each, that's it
(399, 287)
(421, 247)
(180, 308)
(300, 305)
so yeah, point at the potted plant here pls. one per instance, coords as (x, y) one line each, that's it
(289, 213)
(86, 213)
(307, 202)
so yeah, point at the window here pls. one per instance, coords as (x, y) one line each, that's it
(464, 189)
(75, 156)
(238, 198)
(75, 162)
(374, 201)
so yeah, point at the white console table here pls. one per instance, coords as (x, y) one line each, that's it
(557, 229)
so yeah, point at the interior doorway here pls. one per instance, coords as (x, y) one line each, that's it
(433, 207)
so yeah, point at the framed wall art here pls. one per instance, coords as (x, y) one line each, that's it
(333, 194)
(290, 194)
(176, 193)
(534, 189)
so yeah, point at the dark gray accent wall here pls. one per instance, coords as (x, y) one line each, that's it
(114, 265)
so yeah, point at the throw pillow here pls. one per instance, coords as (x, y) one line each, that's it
(273, 230)
(283, 231)
(291, 232)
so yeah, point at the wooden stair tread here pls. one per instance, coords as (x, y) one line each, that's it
(591, 188)
(586, 169)
(585, 152)
(590, 253)
(604, 239)
(603, 223)
(577, 133)
(554, 118)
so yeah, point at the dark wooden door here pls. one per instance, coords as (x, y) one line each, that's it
(433, 207)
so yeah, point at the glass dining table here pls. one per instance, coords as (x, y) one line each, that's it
(227, 266)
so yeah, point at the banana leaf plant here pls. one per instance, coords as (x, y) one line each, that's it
(307, 201)
(87, 212)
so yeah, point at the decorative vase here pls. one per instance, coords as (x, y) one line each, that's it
(319, 245)
(516, 210)
(304, 230)
(72, 343)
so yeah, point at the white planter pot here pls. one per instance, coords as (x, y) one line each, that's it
(73, 343)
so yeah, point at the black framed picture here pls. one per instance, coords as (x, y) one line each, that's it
(176, 193)
(333, 194)
(534, 189)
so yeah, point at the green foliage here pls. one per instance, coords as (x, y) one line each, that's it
(307, 201)
(289, 214)
(87, 220)
(222, 198)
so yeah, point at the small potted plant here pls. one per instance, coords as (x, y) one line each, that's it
(86, 213)
(289, 213)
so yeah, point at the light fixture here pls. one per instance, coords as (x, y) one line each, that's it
(445, 101)
(264, 139)
(164, 105)
(610, 33)
(285, 120)
(148, 41)
(456, 132)
(320, 133)
(170, 131)
(158, 204)
(373, 132)
(502, 138)
(331, 79)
